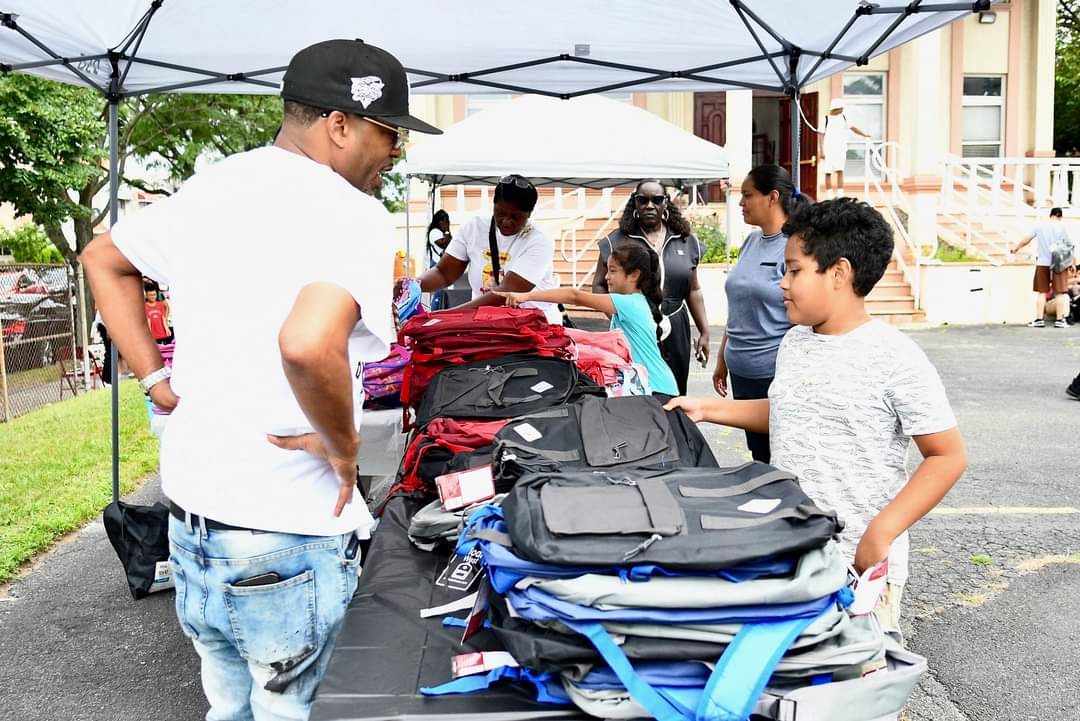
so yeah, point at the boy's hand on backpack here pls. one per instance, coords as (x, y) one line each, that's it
(873, 548)
(694, 408)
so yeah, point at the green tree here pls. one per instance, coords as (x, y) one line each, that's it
(1067, 80)
(30, 244)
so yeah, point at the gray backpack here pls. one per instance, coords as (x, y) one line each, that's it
(1061, 254)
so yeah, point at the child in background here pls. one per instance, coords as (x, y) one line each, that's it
(633, 277)
(157, 312)
(850, 394)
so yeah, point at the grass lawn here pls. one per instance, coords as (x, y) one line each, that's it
(55, 469)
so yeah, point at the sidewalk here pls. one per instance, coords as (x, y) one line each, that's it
(1002, 635)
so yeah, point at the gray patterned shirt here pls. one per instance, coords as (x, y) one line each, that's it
(842, 410)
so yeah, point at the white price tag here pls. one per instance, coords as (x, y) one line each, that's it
(541, 387)
(433, 321)
(760, 505)
(527, 432)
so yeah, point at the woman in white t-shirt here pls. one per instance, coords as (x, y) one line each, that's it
(525, 256)
(438, 236)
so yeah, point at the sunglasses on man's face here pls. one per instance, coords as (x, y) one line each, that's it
(643, 200)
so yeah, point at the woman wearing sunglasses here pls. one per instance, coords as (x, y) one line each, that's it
(649, 218)
(502, 251)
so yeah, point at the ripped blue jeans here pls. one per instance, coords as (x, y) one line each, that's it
(264, 648)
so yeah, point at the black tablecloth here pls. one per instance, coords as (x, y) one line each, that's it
(386, 652)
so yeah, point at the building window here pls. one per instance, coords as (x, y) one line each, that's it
(864, 106)
(983, 116)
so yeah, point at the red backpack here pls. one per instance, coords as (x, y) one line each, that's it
(604, 356)
(456, 336)
(429, 452)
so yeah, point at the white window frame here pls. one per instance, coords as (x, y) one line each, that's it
(858, 143)
(971, 101)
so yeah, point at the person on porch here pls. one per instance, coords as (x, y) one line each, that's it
(835, 136)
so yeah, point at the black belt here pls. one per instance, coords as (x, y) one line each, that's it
(211, 525)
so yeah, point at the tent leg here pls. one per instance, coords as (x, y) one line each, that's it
(114, 184)
(408, 223)
(796, 116)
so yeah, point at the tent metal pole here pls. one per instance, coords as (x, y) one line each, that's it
(114, 185)
(796, 117)
(408, 223)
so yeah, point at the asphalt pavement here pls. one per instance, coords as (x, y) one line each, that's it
(993, 600)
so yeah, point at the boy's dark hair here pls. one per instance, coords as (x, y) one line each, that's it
(149, 284)
(524, 199)
(633, 256)
(845, 228)
(1055, 213)
(767, 178)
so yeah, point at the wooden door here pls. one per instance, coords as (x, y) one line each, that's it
(710, 123)
(808, 142)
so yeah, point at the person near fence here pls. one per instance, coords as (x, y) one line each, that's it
(1050, 238)
(157, 312)
(757, 319)
(503, 251)
(259, 460)
(851, 393)
(651, 219)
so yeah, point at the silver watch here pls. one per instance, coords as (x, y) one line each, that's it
(154, 378)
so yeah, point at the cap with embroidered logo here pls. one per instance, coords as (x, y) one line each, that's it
(353, 77)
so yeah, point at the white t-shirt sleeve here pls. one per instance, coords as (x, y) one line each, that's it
(532, 257)
(917, 395)
(365, 269)
(459, 244)
(147, 236)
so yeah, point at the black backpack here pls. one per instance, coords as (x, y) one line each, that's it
(505, 387)
(688, 519)
(623, 432)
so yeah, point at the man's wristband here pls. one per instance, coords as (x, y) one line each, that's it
(149, 381)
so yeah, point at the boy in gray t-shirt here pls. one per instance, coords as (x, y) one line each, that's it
(850, 394)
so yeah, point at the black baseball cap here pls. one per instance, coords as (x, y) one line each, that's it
(353, 77)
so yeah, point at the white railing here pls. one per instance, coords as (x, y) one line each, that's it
(881, 183)
(572, 250)
(1021, 186)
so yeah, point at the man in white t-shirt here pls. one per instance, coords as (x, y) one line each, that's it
(850, 395)
(1047, 237)
(259, 457)
(526, 257)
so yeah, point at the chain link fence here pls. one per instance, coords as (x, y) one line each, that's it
(41, 356)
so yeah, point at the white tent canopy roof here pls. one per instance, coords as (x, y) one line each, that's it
(590, 141)
(559, 47)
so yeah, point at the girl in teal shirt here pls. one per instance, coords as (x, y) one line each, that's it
(633, 302)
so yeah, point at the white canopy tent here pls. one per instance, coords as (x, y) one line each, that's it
(591, 142)
(560, 48)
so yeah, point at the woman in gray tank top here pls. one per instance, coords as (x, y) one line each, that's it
(757, 320)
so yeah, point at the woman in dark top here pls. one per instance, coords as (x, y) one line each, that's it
(651, 219)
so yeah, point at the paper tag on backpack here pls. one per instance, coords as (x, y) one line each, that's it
(868, 589)
(464, 488)
(760, 505)
(467, 664)
(433, 321)
(475, 620)
(541, 387)
(163, 579)
(527, 432)
(462, 572)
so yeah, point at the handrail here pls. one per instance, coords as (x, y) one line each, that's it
(874, 165)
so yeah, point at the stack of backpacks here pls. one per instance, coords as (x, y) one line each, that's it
(625, 572)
